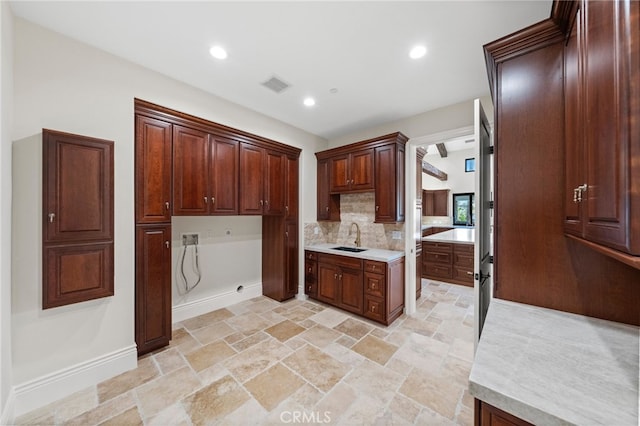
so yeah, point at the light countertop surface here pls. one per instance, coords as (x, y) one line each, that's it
(456, 235)
(381, 255)
(554, 368)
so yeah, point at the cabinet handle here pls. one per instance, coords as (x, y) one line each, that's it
(206, 200)
(261, 203)
(286, 234)
(469, 273)
(309, 269)
(213, 200)
(340, 277)
(373, 308)
(373, 286)
(52, 216)
(309, 288)
(377, 208)
(266, 203)
(286, 209)
(166, 243)
(166, 205)
(335, 276)
(582, 188)
(327, 208)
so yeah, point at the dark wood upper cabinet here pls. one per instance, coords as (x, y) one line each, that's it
(435, 202)
(328, 204)
(153, 170)
(351, 172)
(251, 179)
(77, 218)
(274, 183)
(370, 165)
(602, 130)
(78, 187)
(224, 175)
(190, 172)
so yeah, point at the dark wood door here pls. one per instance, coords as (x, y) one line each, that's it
(153, 170)
(385, 192)
(574, 169)
(291, 258)
(190, 172)
(327, 283)
(291, 189)
(274, 183)
(361, 170)
(251, 179)
(224, 163)
(153, 287)
(351, 287)
(78, 188)
(607, 144)
(339, 177)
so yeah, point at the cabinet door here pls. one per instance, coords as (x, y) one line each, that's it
(361, 170)
(291, 189)
(327, 283)
(190, 172)
(77, 188)
(224, 163)
(339, 174)
(291, 258)
(607, 124)
(274, 183)
(440, 202)
(351, 290)
(328, 205)
(251, 179)
(386, 202)
(153, 287)
(153, 170)
(574, 168)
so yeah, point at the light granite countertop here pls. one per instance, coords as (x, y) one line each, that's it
(554, 368)
(381, 255)
(456, 235)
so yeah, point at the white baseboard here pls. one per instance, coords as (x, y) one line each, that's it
(8, 417)
(194, 308)
(46, 389)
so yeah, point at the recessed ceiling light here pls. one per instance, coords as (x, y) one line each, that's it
(218, 52)
(417, 52)
(309, 102)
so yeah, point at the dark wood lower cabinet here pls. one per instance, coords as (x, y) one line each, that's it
(153, 287)
(449, 262)
(488, 415)
(369, 288)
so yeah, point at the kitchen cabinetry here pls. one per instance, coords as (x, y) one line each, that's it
(351, 172)
(153, 287)
(488, 415)
(435, 230)
(261, 180)
(370, 165)
(205, 173)
(434, 203)
(77, 219)
(369, 288)
(153, 170)
(449, 262)
(389, 189)
(602, 74)
(215, 170)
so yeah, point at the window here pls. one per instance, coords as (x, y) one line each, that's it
(463, 209)
(470, 165)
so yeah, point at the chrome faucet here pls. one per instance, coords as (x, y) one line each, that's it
(357, 233)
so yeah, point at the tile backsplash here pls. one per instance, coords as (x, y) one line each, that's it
(358, 208)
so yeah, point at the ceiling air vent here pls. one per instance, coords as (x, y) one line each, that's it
(275, 84)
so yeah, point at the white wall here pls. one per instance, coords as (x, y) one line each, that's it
(6, 94)
(65, 85)
(457, 179)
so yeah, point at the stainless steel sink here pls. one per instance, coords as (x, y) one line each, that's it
(351, 249)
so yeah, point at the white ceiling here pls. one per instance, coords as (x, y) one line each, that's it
(359, 48)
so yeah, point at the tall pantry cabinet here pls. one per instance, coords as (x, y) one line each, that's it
(188, 166)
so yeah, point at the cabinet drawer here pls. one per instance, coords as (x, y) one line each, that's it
(375, 267)
(436, 257)
(463, 274)
(443, 247)
(463, 248)
(342, 261)
(310, 270)
(374, 284)
(437, 271)
(463, 260)
(374, 308)
(311, 255)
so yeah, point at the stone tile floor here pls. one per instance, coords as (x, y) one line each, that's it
(263, 362)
